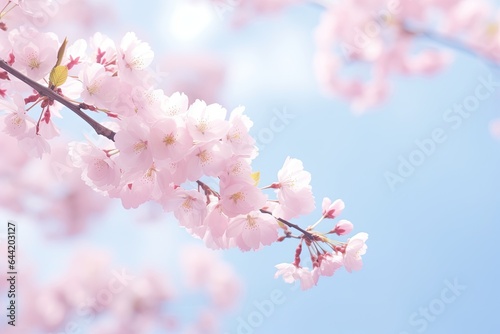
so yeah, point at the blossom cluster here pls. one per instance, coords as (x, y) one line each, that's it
(95, 295)
(194, 159)
(325, 262)
(48, 190)
(385, 37)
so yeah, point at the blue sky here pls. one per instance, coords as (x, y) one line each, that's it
(434, 230)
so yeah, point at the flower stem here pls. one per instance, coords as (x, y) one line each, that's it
(206, 188)
(308, 235)
(316, 223)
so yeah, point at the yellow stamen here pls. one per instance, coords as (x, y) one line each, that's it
(140, 146)
(169, 140)
(237, 197)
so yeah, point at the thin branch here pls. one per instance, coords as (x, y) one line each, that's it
(46, 91)
(206, 188)
(308, 235)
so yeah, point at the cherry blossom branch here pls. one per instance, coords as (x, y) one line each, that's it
(441, 39)
(209, 191)
(308, 235)
(46, 91)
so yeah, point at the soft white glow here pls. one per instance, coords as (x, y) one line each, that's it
(190, 20)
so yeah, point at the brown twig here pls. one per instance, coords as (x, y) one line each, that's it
(206, 188)
(46, 91)
(308, 235)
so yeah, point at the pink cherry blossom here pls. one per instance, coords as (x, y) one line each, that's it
(332, 210)
(170, 140)
(206, 123)
(98, 169)
(173, 172)
(97, 82)
(237, 168)
(139, 101)
(293, 190)
(103, 50)
(35, 51)
(355, 248)
(46, 128)
(216, 221)
(17, 121)
(134, 55)
(133, 143)
(189, 207)
(76, 54)
(238, 138)
(240, 198)
(292, 273)
(34, 144)
(206, 159)
(175, 105)
(330, 263)
(253, 230)
(343, 227)
(140, 190)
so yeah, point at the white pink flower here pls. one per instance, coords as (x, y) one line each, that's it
(253, 230)
(133, 55)
(35, 52)
(332, 210)
(291, 273)
(238, 138)
(356, 247)
(189, 207)
(330, 263)
(175, 105)
(206, 123)
(207, 159)
(240, 198)
(97, 85)
(216, 221)
(98, 170)
(17, 121)
(35, 145)
(170, 140)
(343, 227)
(133, 142)
(294, 191)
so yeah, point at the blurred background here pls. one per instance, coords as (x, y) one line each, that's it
(431, 260)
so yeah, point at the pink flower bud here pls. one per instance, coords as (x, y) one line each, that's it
(343, 227)
(332, 210)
